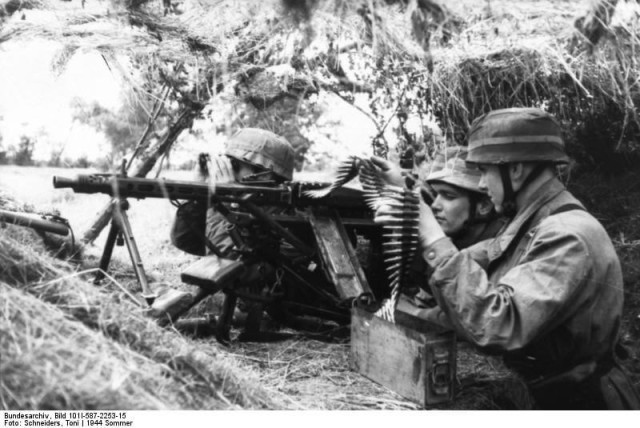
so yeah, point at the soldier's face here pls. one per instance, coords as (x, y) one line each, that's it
(491, 182)
(242, 170)
(450, 207)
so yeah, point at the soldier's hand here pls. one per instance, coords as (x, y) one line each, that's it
(389, 172)
(383, 215)
(429, 230)
(222, 170)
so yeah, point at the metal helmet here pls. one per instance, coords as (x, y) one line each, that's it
(262, 148)
(449, 167)
(516, 135)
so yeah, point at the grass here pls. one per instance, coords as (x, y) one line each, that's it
(52, 362)
(74, 327)
(57, 326)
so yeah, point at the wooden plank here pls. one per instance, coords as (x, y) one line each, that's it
(419, 365)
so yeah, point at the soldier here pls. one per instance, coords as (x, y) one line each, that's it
(464, 212)
(255, 155)
(547, 294)
(252, 156)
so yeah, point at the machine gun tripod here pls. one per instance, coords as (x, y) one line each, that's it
(120, 233)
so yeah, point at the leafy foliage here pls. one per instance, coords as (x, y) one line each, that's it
(122, 128)
(24, 152)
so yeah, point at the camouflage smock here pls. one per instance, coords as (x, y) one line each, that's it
(546, 293)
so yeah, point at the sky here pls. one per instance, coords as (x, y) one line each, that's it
(35, 101)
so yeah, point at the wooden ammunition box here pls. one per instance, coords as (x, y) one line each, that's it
(412, 357)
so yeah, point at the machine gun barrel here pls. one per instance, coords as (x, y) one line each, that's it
(132, 187)
(287, 194)
(23, 219)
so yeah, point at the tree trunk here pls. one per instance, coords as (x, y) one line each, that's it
(184, 121)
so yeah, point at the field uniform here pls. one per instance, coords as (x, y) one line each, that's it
(258, 155)
(546, 293)
(423, 305)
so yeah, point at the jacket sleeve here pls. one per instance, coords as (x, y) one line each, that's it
(532, 297)
(217, 233)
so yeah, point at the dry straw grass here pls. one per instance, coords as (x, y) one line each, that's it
(81, 326)
(50, 361)
(527, 54)
(317, 375)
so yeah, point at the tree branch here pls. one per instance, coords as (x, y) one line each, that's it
(184, 121)
(157, 108)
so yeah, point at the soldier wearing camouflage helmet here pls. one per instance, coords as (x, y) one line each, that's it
(464, 211)
(256, 156)
(547, 293)
(263, 151)
(251, 156)
(465, 214)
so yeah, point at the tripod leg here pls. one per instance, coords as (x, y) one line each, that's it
(107, 252)
(224, 322)
(125, 227)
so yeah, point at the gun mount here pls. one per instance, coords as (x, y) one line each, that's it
(323, 231)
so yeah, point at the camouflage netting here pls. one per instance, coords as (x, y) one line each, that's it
(462, 60)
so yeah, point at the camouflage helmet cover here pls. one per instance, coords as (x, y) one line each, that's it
(449, 167)
(262, 148)
(516, 135)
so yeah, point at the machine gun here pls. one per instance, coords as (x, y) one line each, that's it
(323, 278)
(62, 245)
(51, 224)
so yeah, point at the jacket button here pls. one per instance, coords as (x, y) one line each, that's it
(431, 255)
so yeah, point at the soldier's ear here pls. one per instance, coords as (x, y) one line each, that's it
(484, 207)
(518, 172)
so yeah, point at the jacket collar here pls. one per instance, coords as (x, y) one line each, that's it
(548, 191)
